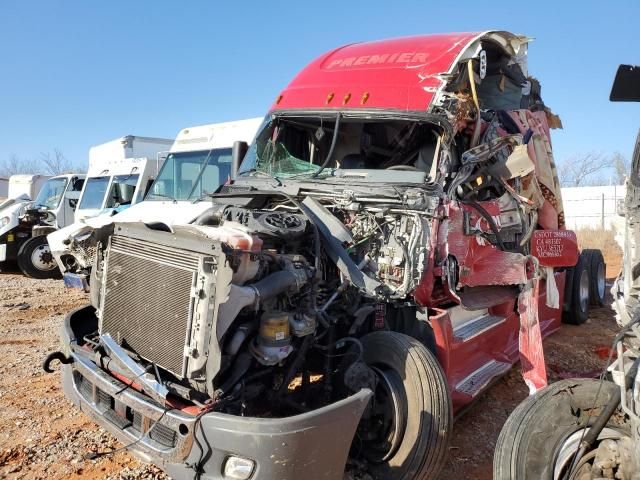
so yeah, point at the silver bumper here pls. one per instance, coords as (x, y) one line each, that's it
(312, 445)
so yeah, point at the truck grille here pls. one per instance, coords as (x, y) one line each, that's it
(147, 297)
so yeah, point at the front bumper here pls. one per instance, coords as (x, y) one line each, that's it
(312, 445)
(10, 243)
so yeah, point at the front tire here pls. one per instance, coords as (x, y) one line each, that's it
(406, 435)
(540, 435)
(35, 259)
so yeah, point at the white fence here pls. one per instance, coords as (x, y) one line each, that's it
(594, 207)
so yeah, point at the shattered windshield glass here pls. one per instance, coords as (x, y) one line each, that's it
(277, 161)
(290, 147)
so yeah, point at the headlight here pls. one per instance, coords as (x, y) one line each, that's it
(238, 468)
(4, 221)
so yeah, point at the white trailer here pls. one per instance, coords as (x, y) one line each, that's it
(4, 188)
(119, 174)
(25, 185)
(199, 161)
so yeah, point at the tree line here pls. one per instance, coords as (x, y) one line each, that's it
(594, 169)
(47, 163)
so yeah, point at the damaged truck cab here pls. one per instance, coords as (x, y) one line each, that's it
(393, 242)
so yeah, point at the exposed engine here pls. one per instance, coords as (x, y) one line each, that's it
(261, 309)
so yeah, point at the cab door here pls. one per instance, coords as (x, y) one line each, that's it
(69, 202)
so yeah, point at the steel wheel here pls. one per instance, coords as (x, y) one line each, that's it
(42, 259)
(601, 280)
(35, 259)
(389, 417)
(570, 446)
(583, 291)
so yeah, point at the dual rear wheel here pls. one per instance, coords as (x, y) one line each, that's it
(585, 286)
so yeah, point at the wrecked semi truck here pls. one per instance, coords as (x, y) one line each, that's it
(393, 241)
(198, 162)
(584, 428)
(25, 222)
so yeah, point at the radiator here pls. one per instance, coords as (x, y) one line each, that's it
(146, 301)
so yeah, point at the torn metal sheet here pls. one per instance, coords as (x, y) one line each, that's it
(530, 339)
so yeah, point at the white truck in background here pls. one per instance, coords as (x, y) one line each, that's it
(199, 161)
(119, 174)
(23, 223)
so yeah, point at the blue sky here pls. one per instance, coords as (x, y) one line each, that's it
(78, 73)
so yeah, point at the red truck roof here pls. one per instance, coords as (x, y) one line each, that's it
(399, 74)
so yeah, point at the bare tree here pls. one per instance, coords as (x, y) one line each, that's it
(584, 169)
(15, 165)
(621, 167)
(57, 163)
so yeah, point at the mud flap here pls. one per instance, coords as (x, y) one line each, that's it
(534, 369)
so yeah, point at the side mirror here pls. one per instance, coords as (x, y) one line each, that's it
(238, 152)
(73, 202)
(626, 84)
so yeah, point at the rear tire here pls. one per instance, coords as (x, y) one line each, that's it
(407, 433)
(535, 437)
(578, 292)
(597, 277)
(35, 259)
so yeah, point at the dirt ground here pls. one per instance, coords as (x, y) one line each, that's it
(43, 437)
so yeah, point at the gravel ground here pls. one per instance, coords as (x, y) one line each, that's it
(43, 437)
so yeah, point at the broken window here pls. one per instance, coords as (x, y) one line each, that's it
(290, 147)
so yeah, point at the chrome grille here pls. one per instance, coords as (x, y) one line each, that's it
(146, 301)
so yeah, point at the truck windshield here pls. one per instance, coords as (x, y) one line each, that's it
(122, 191)
(290, 147)
(190, 175)
(94, 191)
(51, 193)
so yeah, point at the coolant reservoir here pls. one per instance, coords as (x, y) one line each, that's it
(246, 244)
